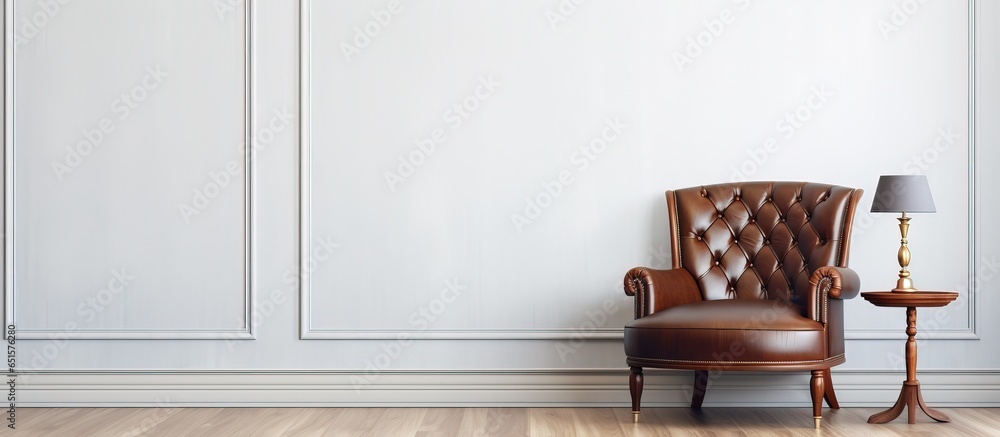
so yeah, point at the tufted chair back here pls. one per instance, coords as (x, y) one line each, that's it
(759, 240)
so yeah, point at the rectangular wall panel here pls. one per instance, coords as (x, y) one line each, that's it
(490, 171)
(128, 186)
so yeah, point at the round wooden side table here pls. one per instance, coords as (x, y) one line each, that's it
(910, 396)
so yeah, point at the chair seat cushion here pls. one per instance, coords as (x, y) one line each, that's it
(727, 330)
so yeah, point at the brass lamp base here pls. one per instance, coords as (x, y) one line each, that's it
(904, 285)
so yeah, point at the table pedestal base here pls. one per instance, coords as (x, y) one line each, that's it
(910, 398)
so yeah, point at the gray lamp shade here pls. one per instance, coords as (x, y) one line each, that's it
(903, 193)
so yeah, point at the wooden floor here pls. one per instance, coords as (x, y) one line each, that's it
(604, 422)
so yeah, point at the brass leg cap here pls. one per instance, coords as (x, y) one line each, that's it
(816, 421)
(635, 416)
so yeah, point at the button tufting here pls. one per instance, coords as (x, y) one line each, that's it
(716, 262)
(720, 215)
(822, 241)
(699, 238)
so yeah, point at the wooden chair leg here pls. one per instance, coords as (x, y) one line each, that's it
(700, 386)
(829, 394)
(635, 388)
(817, 391)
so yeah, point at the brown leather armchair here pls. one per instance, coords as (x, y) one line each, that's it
(758, 281)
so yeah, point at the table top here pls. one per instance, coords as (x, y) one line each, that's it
(910, 298)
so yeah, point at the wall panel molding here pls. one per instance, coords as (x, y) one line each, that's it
(9, 146)
(483, 388)
(307, 332)
(971, 331)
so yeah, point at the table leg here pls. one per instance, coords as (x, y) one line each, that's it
(892, 413)
(909, 395)
(934, 414)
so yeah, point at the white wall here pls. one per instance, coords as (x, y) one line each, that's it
(408, 171)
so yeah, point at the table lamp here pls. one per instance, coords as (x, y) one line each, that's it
(903, 194)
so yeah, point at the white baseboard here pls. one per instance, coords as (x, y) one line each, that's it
(483, 388)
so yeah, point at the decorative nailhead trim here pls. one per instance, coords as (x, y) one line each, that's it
(751, 362)
(843, 230)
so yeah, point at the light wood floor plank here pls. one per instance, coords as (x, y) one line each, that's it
(706, 421)
(974, 420)
(98, 420)
(481, 422)
(759, 422)
(137, 422)
(477, 422)
(926, 426)
(836, 423)
(649, 425)
(271, 422)
(335, 422)
(321, 422)
(356, 421)
(400, 422)
(26, 415)
(183, 422)
(33, 416)
(508, 422)
(556, 422)
(596, 422)
(88, 421)
(473, 422)
(684, 422)
(441, 422)
(229, 419)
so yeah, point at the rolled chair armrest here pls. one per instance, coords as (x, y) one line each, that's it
(657, 290)
(830, 282)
